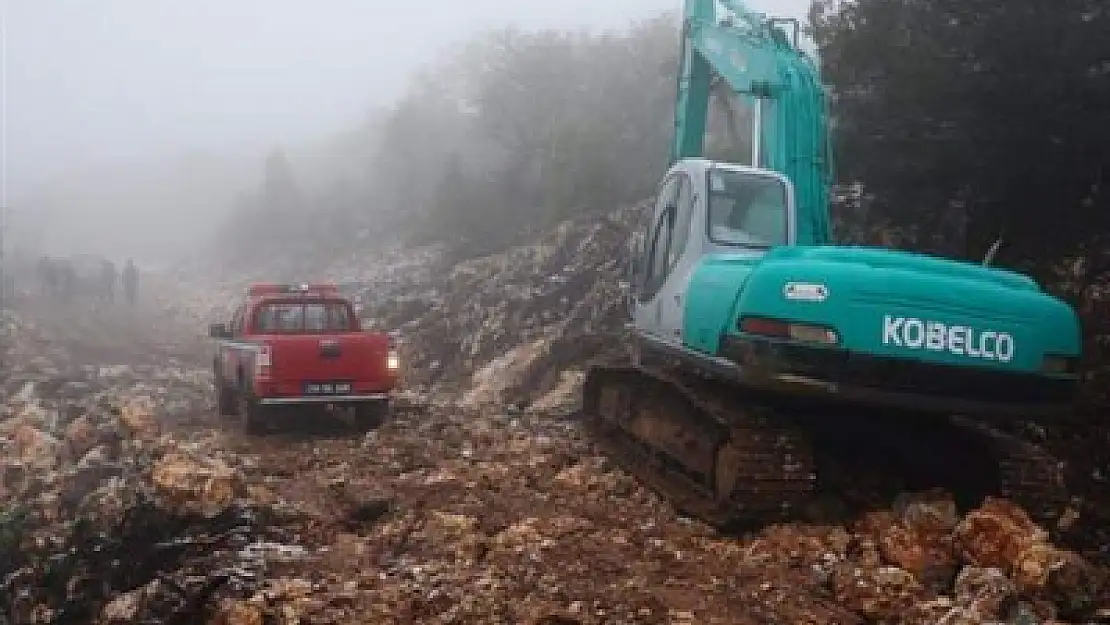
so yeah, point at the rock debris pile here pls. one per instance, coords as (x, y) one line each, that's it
(507, 327)
(90, 487)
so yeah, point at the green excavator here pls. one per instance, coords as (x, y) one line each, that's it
(760, 350)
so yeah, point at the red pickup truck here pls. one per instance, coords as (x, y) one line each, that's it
(298, 346)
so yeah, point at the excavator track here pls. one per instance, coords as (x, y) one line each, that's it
(1026, 473)
(731, 459)
(724, 462)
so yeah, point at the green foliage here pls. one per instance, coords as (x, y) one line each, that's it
(553, 124)
(262, 221)
(961, 120)
(280, 194)
(506, 135)
(966, 120)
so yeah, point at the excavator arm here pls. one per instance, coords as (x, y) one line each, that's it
(759, 61)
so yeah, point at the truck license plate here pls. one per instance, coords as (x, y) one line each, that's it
(327, 388)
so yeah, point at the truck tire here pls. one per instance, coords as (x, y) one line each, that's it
(225, 401)
(370, 416)
(251, 416)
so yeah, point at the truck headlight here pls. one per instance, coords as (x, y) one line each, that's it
(393, 360)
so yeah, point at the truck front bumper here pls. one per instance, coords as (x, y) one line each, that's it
(336, 400)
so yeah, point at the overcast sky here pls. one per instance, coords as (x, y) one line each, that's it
(101, 89)
(100, 80)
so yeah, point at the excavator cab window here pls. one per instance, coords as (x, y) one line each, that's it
(659, 239)
(659, 250)
(747, 209)
(682, 210)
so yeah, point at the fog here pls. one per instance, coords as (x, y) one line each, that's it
(130, 126)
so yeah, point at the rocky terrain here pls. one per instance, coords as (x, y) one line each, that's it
(126, 500)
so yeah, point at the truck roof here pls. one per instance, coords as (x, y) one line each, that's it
(263, 290)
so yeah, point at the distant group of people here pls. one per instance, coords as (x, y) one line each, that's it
(58, 278)
(128, 278)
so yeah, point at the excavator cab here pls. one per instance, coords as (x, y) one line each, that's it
(703, 208)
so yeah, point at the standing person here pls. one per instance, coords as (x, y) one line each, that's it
(108, 280)
(68, 279)
(46, 275)
(130, 278)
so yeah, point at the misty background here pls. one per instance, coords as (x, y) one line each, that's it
(132, 127)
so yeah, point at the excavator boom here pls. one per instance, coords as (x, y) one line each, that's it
(760, 63)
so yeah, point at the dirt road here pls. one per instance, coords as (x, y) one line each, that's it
(127, 500)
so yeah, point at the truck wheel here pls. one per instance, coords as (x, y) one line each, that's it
(370, 416)
(250, 416)
(225, 401)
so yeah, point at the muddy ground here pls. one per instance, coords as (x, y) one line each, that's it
(127, 500)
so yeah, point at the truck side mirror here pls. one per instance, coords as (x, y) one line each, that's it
(219, 331)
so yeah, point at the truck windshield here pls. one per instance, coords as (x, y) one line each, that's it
(747, 209)
(303, 317)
